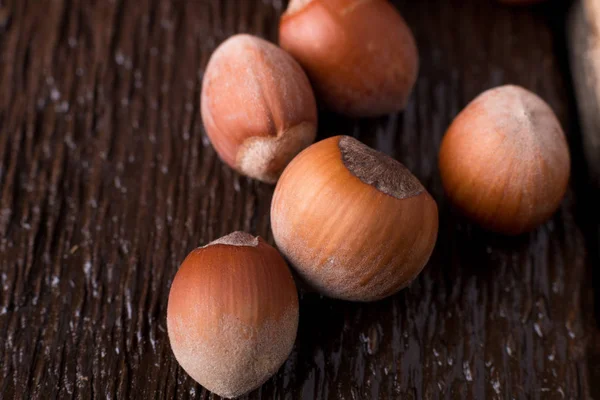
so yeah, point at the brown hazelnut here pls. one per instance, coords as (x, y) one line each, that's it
(232, 315)
(360, 55)
(355, 223)
(258, 107)
(504, 161)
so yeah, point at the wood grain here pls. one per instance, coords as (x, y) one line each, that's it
(107, 181)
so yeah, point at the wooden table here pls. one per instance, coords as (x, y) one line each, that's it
(107, 181)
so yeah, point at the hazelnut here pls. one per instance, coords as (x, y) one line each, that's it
(355, 223)
(232, 314)
(258, 107)
(504, 161)
(360, 55)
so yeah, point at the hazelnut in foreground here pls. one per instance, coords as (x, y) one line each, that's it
(258, 107)
(232, 315)
(360, 55)
(355, 223)
(504, 161)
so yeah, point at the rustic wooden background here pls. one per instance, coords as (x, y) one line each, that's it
(107, 181)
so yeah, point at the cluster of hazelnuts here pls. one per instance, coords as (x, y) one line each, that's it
(354, 223)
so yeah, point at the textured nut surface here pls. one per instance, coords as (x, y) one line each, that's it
(233, 314)
(351, 236)
(359, 54)
(258, 107)
(504, 161)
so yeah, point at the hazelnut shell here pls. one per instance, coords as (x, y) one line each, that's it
(258, 107)
(360, 55)
(354, 223)
(232, 314)
(504, 161)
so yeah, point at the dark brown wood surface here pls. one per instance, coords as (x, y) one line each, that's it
(107, 181)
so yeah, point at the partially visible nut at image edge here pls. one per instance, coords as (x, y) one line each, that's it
(361, 56)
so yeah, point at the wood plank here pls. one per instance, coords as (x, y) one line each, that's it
(107, 181)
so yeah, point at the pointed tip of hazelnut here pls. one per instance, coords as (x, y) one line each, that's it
(237, 238)
(241, 41)
(265, 157)
(296, 6)
(378, 170)
(525, 117)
